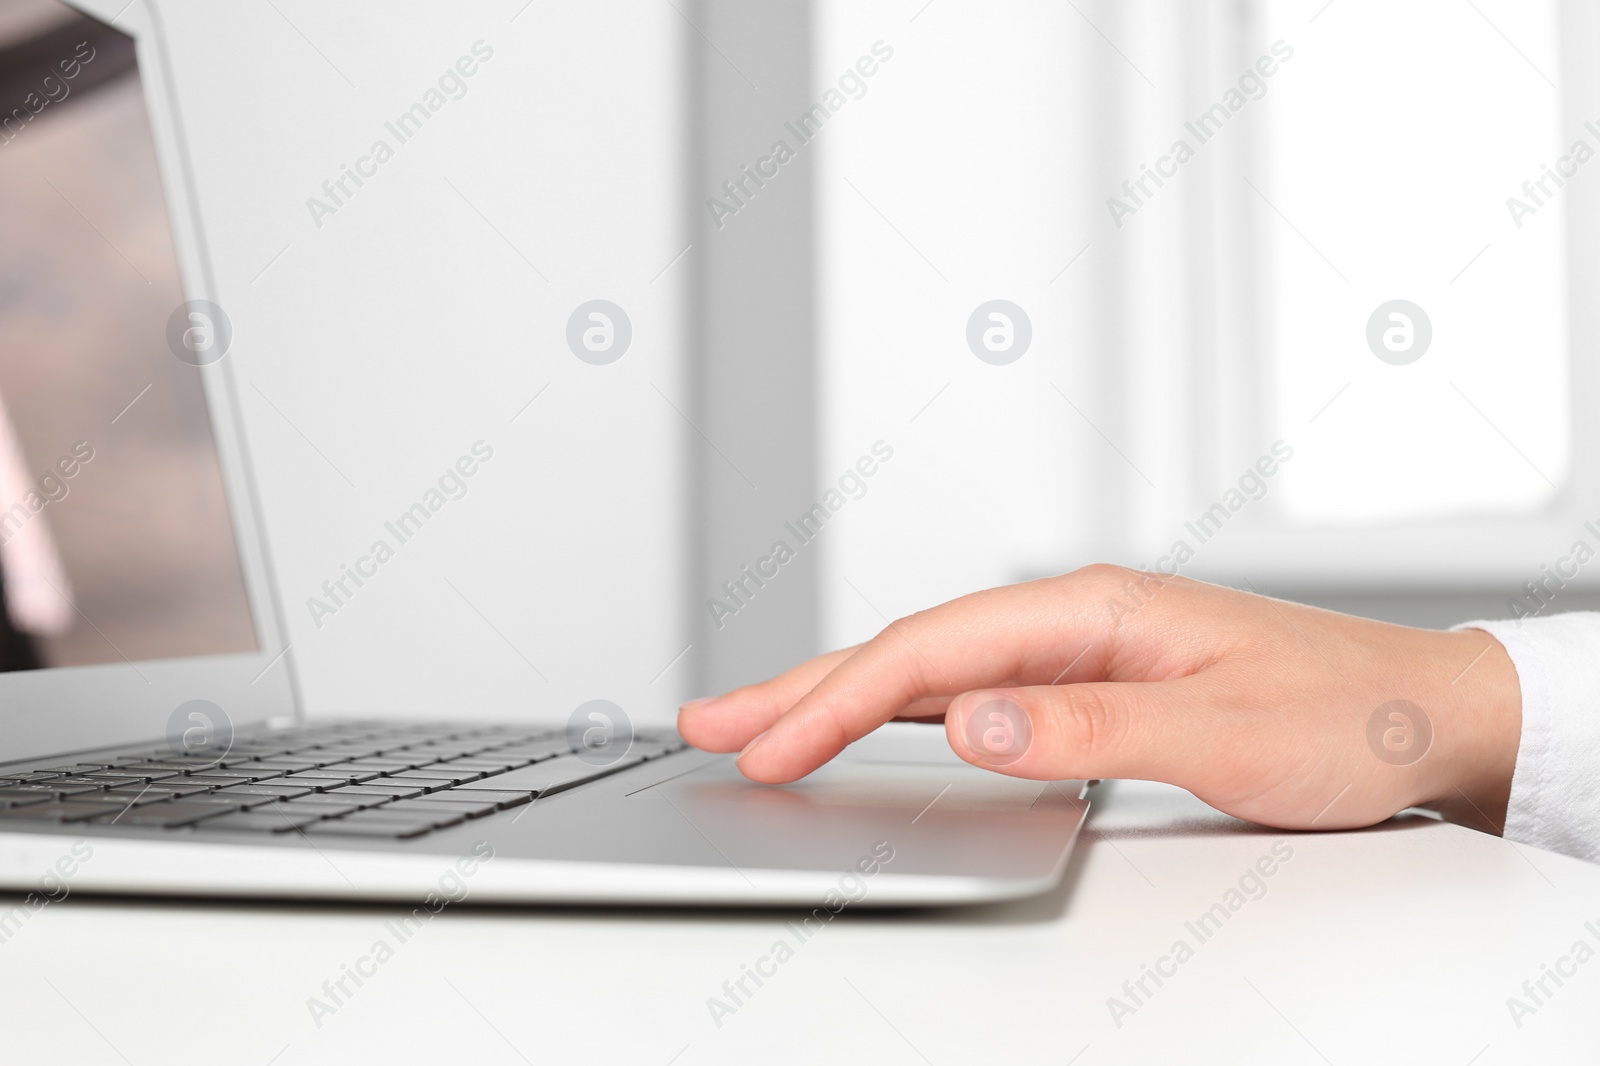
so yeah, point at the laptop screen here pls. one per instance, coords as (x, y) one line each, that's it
(116, 541)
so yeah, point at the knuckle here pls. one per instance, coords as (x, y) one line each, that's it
(1125, 588)
(895, 636)
(897, 658)
(1101, 576)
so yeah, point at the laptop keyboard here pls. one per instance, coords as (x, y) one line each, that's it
(350, 779)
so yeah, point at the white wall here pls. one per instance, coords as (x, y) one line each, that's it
(377, 348)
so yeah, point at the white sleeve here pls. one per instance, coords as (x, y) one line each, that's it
(1555, 790)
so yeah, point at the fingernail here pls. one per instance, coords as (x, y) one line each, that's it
(695, 704)
(996, 730)
(754, 741)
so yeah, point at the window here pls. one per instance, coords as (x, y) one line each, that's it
(1391, 144)
(1230, 309)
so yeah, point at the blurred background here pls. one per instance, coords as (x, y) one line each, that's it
(1286, 295)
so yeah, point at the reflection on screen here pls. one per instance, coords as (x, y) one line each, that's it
(116, 543)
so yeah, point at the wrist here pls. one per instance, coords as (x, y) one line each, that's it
(1480, 733)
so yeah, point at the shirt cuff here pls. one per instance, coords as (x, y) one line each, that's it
(1555, 789)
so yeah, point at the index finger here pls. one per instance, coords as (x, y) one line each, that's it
(1038, 633)
(732, 720)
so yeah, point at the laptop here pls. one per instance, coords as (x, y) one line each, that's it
(153, 739)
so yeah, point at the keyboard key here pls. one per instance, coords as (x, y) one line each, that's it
(439, 772)
(325, 797)
(239, 773)
(381, 828)
(256, 822)
(551, 776)
(249, 752)
(451, 814)
(205, 779)
(137, 775)
(180, 767)
(424, 781)
(491, 766)
(326, 806)
(130, 798)
(269, 789)
(501, 800)
(429, 805)
(310, 756)
(282, 762)
(24, 799)
(49, 788)
(59, 811)
(75, 768)
(382, 766)
(426, 784)
(392, 790)
(544, 749)
(175, 787)
(452, 748)
(217, 799)
(236, 799)
(335, 774)
(167, 815)
(92, 782)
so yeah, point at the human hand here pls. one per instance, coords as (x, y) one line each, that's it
(1270, 711)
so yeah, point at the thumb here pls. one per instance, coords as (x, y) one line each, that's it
(1092, 730)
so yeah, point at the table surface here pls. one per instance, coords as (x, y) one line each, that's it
(1406, 942)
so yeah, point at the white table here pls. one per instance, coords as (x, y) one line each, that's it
(1397, 944)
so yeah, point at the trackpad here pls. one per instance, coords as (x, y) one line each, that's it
(903, 766)
(902, 785)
